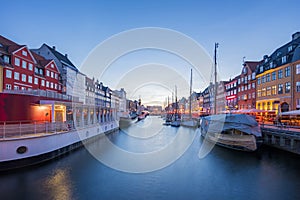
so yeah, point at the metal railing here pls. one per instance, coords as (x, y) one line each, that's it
(43, 93)
(25, 129)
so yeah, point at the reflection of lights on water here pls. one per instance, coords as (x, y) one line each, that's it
(59, 185)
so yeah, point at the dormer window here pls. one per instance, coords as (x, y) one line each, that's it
(261, 68)
(6, 59)
(290, 48)
(283, 59)
(271, 65)
(278, 54)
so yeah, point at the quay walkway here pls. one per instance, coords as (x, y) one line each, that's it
(282, 136)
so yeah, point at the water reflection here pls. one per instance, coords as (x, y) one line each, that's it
(58, 185)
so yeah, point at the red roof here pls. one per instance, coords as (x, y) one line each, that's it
(41, 61)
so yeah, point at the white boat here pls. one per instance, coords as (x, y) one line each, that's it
(235, 131)
(27, 149)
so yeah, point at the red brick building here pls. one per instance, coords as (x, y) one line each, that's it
(21, 69)
(247, 85)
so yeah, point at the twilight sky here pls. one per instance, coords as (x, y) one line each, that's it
(242, 28)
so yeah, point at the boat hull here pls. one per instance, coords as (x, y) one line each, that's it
(44, 147)
(236, 142)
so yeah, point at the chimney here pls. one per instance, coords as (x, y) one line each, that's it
(66, 55)
(295, 35)
(53, 47)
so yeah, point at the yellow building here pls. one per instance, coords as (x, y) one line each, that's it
(277, 78)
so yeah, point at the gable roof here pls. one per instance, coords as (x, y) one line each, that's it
(41, 61)
(61, 57)
(252, 64)
(7, 46)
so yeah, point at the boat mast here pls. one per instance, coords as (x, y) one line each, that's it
(215, 76)
(176, 105)
(190, 106)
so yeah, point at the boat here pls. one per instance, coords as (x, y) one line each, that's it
(175, 121)
(143, 115)
(234, 131)
(28, 149)
(190, 122)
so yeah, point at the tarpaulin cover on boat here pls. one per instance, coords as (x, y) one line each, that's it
(223, 122)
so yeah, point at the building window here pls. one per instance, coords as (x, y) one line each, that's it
(16, 75)
(253, 95)
(51, 85)
(52, 65)
(273, 76)
(298, 103)
(258, 93)
(280, 88)
(242, 89)
(249, 86)
(52, 75)
(24, 77)
(6, 59)
(268, 91)
(29, 79)
(253, 75)
(36, 81)
(23, 88)
(55, 86)
(47, 73)
(59, 87)
(24, 53)
(287, 71)
(24, 64)
(249, 96)
(30, 66)
(17, 62)
(43, 82)
(8, 86)
(16, 87)
(239, 89)
(298, 86)
(280, 74)
(41, 72)
(239, 80)
(287, 87)
(290, 48)
(258, 80)
(263, 92)
(263, 79)
(47, 83)
(298, 69)
(283, 59)
(271, 65)
(253, 85)
(261, 69)
(268, 78)
(8, 73)
(36, 70)
(274, 90)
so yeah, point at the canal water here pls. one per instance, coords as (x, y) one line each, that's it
(171, 169)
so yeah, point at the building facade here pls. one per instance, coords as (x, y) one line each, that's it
(247, 85)
(277, 78)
